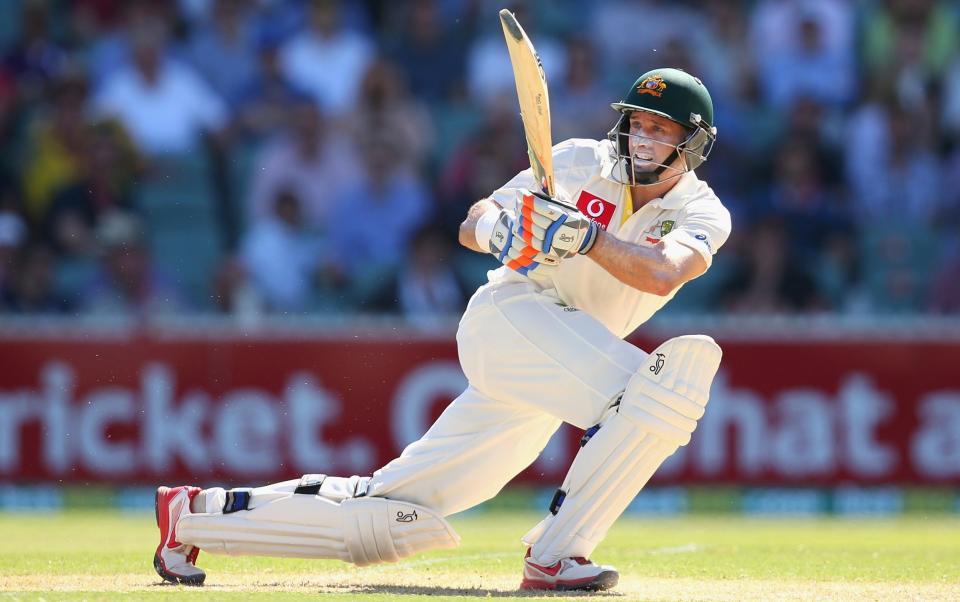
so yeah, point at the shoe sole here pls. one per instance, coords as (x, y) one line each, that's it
(194, 580)
(604, 581)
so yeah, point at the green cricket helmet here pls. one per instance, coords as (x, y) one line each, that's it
(678, 96)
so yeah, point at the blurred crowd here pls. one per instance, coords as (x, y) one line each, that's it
(301, 157)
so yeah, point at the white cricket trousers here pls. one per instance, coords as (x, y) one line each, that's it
(531, 363)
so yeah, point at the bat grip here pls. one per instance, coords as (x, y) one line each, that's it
(546, 196)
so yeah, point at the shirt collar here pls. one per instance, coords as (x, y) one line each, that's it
(678, 196)
(675, 198)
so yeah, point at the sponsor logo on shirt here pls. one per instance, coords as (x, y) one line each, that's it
(597, 209)
(704, 239)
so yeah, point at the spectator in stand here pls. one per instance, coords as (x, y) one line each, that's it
(127, 284)
(31, 288)
(898, 188)
(893, 170)
(10, 110)
(910, 43)
(375, 219)
(93, 34)
(312, 160)
(771, 20)
(951, 102)
(623, 56)
(823, 130)
(574, 110)
(430, 53)
(948, 217)
(746, 125)
(106, 182)
(723, 55)
(765, 278)
(265, 106)
(108, 172)
(385, 106)
(945, 296)
(75, 170)
(326, 60)
(800, 196)
(280, 255)
(164, 103)
(36, 57)
(805, 48)
(105, 31)
(426, 290)
(55, 149)
(838, 272)
(224, 49)
(13, 230)
(234, 292)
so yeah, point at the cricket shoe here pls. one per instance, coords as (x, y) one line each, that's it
(568, 574)
(174, 561)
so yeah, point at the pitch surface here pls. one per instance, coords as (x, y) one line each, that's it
(104, 554)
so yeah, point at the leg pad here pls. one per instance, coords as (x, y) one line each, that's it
(363, 530)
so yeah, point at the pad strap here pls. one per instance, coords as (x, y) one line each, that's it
(310, 484)
(237, 499)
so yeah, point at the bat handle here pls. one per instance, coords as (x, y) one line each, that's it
(546, 194)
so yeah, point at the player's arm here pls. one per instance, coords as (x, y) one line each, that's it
(683, 254)
(468, 229)
(658, 269)
(490, 228)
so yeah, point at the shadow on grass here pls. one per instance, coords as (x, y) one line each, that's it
(398, 590)
(479, 592)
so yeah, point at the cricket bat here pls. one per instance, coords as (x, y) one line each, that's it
(534, 99)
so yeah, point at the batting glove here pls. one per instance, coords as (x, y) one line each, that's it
(553, 229)
(512, 251)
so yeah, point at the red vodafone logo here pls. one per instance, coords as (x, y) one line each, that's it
(597, 209)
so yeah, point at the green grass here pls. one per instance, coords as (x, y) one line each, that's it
(93, 555)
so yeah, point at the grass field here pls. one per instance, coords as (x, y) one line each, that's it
(100, 555)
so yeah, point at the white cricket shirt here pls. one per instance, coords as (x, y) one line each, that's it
(689, 213)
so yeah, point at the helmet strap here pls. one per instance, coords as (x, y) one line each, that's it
(654, 176)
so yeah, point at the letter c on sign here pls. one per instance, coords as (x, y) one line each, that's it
(595, 208)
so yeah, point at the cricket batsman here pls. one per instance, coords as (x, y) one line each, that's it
(540, 344)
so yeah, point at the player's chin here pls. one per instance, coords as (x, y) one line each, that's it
(645, 172)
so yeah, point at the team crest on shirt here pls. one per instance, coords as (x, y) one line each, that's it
(653, 85)
(658, 230)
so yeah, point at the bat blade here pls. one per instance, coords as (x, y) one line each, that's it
(534, 100)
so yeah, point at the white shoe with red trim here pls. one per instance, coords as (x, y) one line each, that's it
(568, 574)
(174, 561)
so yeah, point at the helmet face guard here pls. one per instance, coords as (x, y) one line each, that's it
(679, 97)
(694, 149)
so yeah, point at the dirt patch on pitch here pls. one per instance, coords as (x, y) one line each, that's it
(446, 583)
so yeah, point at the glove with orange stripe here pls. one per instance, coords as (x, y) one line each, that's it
(552, 228)
(512, 251)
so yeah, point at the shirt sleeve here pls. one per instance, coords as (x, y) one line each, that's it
(506, 195)
(209, 110)
(571, 158)
(704, 228)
